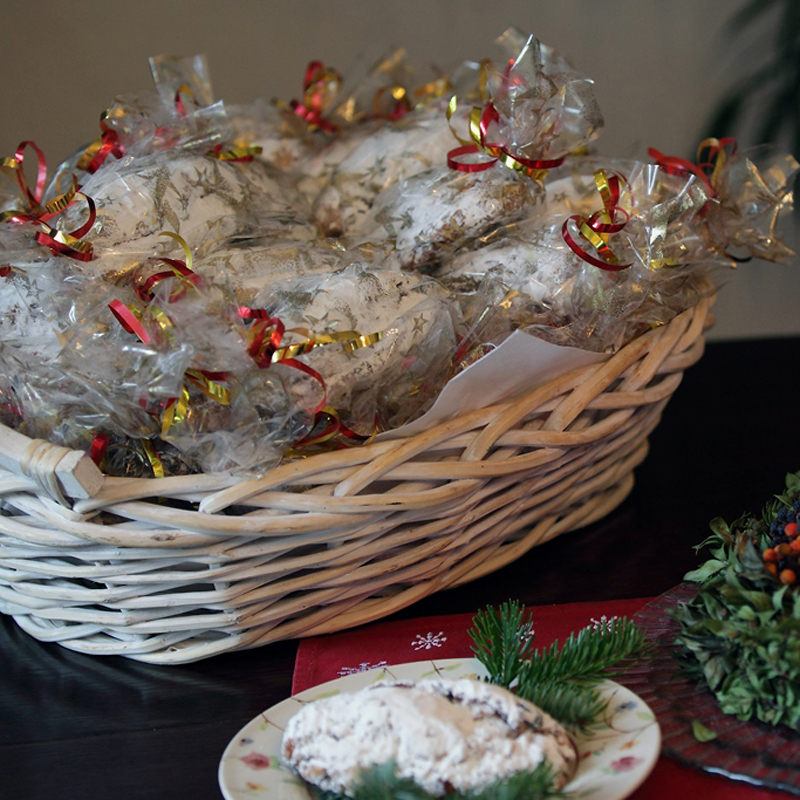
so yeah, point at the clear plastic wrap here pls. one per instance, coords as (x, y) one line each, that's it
(752, 203)
(541, 275)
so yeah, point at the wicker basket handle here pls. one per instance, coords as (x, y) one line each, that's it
(58, 471)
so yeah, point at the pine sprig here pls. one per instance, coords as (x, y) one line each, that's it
(591, 654)
(576, 705)
(381, 782)
(502, 641)
(558, 679)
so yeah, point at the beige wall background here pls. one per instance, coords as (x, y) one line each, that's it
(658, 65)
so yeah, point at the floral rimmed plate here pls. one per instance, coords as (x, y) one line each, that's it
(614, 758)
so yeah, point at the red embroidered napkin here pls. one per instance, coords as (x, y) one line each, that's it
(325, 658)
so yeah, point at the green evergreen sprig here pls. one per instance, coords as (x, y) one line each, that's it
(558, 679)
(381, 783)
(502, 641)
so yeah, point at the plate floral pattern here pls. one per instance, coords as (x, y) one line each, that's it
(614, 758)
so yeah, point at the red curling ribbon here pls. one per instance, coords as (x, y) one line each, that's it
(398, 109)
(62, 242)
(262, 347)
(70, 244)
(332, 428)
(265, 344)
(129, 320)
(107, 144)
(178, 269)
(34, 198)
(596, 229)
(180, 107)
(239, 154)
(609, 263)
(706, 170)
(98, 448)
(455, 154)
(315, 86)
(717, 153)
(479, 125)
(59, 242)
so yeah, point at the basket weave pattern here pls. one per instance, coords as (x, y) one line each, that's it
(177, 569)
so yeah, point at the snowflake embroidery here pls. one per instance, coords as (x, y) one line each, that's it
(602, 625)
(428, 641)
(362, 667)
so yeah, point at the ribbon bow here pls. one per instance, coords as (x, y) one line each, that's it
(319, 87)
(107, 144)
(399, 104)
(707, 169)
(40, 213)
(267, 347)
(596, 229)
(480, 121)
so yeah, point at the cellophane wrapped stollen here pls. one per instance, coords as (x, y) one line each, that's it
(283, 367)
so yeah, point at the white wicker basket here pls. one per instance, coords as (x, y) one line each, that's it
(177, 569)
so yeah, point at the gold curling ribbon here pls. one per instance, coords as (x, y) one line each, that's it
(153, 458)
(431, 91)
(597, 228)
(211, 388)
(402, 103)
(176, 412)
(479, 122)
(13, 167)
(103, 146)
(184, 246)
(236, 153)
(350, 341)
(70, 242)
(34, 211)
(335, 435)
(508, 300)
(320, 86)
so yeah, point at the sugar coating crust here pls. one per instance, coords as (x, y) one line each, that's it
(443, 734)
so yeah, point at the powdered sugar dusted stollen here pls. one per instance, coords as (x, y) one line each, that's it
(184, 194)
(254, 265)
(410, 321)
(393, 153)
(432, 214)
(443, 734)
